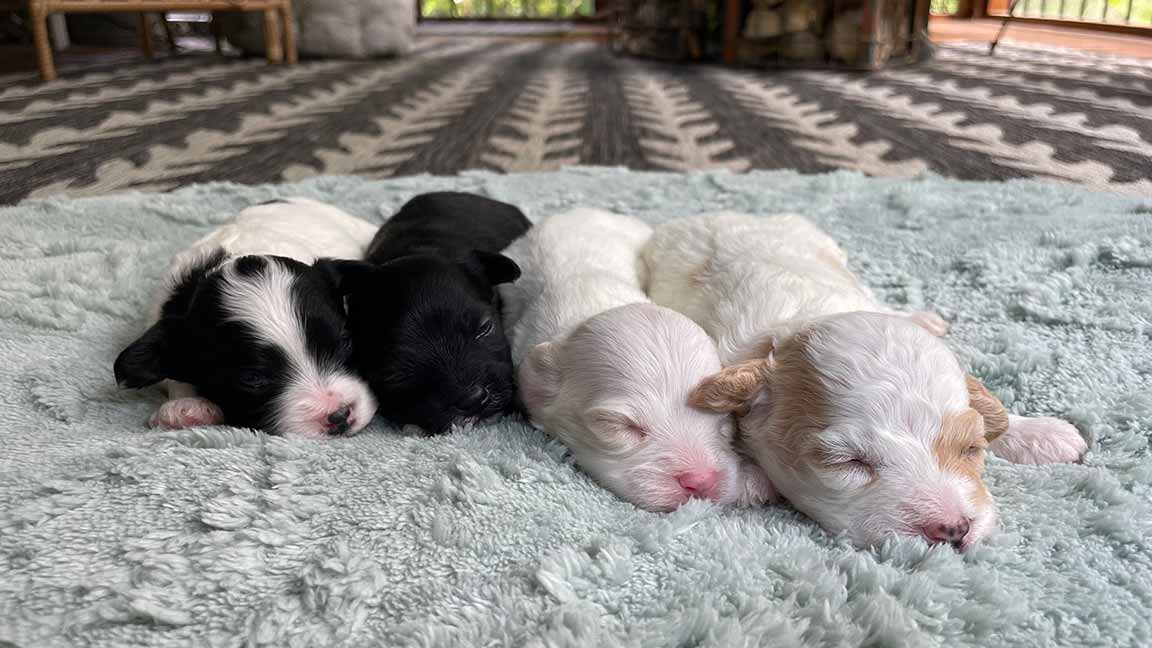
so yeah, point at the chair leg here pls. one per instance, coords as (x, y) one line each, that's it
(1003, 28)
(288, 24)
(217, 32)
(272, 37)
(144, 26)
(168, 32)
(39, 15)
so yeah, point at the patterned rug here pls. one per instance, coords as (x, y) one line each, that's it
(515, 105)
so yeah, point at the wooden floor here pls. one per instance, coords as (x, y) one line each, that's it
(951, 29)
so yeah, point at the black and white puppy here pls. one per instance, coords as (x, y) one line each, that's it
(424, 313)
(247, 331)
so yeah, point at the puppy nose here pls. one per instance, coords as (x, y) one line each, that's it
(699, 483)
(340, 416)
(952, 531)
(338, 420)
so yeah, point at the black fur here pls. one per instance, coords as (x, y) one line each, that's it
(447, 224)
(424, 314)
(195, 341)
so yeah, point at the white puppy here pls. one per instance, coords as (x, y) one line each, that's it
(246, 330)
(859, 415)
(609, 374)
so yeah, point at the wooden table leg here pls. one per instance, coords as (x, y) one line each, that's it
(288, 24)
(273, 39)
(39, 16)
(731, 30)
(144, 26)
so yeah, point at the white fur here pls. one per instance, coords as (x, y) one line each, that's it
(740, 276)
(301, 229)
(609, 374)
(572, 266)
(760, 284)
(297, 228)
(1039, 440)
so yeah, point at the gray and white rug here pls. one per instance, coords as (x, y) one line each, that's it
(517, 105)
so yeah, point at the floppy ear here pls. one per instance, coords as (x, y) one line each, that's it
(496, 268)
(731, 391)
(539, 377)
(345, 274)
(990, 408)
(145, 361)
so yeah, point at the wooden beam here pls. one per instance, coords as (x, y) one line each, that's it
(731, 29)
(98, 6)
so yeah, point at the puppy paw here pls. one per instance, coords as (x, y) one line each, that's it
(1039, 440)
(752, 487)
(930, 321)
(185, 413)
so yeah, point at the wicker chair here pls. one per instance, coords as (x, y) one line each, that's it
(279, 34)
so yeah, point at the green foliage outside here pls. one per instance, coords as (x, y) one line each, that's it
(945, 7)
(507, 8)
(1071, 9)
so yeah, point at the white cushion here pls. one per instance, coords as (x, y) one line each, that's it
(336, 28)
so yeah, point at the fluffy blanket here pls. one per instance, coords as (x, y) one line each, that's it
(114, 535)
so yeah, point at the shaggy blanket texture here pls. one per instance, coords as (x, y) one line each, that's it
(114, 535)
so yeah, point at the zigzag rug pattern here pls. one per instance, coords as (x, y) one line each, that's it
(512, 106)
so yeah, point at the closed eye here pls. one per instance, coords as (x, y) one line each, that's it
(846, 463)
(849, 463)
(254, 381)
(849, 474)
(486, 328)
(615, 427)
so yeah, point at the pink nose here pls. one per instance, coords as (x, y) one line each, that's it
(951, 531)
(699, 483)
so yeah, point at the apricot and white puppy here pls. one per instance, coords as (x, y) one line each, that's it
(859, 415)
(609, 374)
(739, 275)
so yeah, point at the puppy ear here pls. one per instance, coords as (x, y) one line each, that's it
(145, 361)
(496, 268)
(345, 275)
(539, 377)
(990, 408)
(731, 391)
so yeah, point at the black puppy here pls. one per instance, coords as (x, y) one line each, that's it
(423, 313)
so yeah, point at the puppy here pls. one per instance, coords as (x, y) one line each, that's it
(860, 416)
(609, 374)
(246, 331)
(424, 313)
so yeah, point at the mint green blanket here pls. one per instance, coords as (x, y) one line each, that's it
(114, 535)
